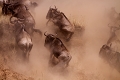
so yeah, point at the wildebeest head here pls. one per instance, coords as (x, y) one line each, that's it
(105, 50)
(51, 12)
(49, 38)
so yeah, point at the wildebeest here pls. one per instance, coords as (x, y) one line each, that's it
(60, 20)
(108, 52)
(24, 15)
(111, 56)
(57, 49)
(113, 36)
(21, 13)
(23, 41)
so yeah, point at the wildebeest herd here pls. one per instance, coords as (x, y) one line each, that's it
(24, 25)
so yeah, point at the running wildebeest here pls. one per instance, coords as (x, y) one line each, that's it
(30, 4)
(108, 52)
(21, 13)
(23, 41)
(113, 35)
(57, 49)
(60, 20)
(24, 16)
(112, 57)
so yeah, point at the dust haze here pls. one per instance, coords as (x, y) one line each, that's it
(86, 63)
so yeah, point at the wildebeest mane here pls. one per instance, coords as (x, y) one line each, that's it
(65, 17)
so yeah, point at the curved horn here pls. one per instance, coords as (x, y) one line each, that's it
(45, 33)
(110, 44)
(56, 34)
(104, 46)
(55, 7)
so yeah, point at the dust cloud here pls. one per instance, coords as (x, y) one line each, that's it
(86, 63)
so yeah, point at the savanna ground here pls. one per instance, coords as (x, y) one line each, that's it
(84, 47)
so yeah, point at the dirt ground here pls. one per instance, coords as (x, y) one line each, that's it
(84, 46)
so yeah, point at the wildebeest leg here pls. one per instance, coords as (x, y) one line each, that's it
(64, 60)
(68, 60)
(24, 56)
(69, 36)
(28, 52)
(50, 59)
(6, 9)
(38, 31)
(19, 53)
(3, 9)
(47, 21)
